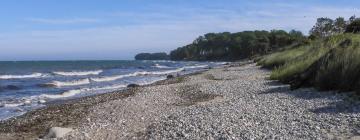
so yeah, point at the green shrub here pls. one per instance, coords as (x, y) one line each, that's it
(329, 64)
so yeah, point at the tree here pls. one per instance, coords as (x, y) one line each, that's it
(234, 46)
(339, 25)
(152, 56)
(323, 27)
(353, 27)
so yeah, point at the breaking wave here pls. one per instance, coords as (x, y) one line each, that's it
(34, 75)
(78, 73)
(116, 77)
(161, 66)
(69, 83)
(195, 67)
(74, 92)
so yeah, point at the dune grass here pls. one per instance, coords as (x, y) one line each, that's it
(334, 63)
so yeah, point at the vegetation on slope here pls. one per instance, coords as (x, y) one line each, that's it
(330, 62)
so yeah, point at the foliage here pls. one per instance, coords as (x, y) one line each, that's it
(353, 27)
(326, 27)
(332, 63)
(234, 46)
(152, 56)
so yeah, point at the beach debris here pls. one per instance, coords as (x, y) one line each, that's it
(57, 132)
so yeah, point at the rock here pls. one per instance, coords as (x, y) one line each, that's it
(133, 85)
(12, 87)
(170, 76)
(47, 85)
(57, 132)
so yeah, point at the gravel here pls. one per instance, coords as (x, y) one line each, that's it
(234, 102)
(225, 103)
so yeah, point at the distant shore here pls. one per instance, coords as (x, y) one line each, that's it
(233, 102)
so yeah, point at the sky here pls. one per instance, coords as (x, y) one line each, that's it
(119, 29)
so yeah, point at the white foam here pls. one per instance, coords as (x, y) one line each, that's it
(70, 83)
(78, 73)
(12, 104)
(161, 66)
(116, 77)
(195, 67)
(113, 78)
(34, 75)
(164, 72)
(64, 94)
(74, 92)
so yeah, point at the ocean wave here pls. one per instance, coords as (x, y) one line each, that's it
(69, 83)
(34, 75)
(64, 94)
(11, 104)
(195, 67)
(161, 66)
(138, 73)
(74, 92)
(78, 73)
(113, 78)
(163, 72)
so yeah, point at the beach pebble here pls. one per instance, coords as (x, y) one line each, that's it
(58, 132)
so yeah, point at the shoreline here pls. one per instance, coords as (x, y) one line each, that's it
(232, 102)
(35, 123)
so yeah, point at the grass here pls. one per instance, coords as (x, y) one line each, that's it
(329, 64)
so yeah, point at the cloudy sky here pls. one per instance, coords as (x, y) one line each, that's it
(118, 29)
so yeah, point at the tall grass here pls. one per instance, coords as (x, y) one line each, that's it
(332, 63)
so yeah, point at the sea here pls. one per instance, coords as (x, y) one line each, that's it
(29, 85)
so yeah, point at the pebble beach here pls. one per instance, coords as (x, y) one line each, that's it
(232, 102)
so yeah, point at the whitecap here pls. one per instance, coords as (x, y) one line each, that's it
(74, 92)
(34, 75)
(195, 67)
(69, 83)
(78, 73)
(161, 66)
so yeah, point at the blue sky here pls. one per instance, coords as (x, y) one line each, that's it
(118, 29)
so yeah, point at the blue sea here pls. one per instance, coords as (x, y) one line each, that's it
(28, 85)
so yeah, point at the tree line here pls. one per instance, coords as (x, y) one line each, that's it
(247, 44)
(326, 27)
(152, 56)
(234, 46)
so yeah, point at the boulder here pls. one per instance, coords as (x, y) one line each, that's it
(57, 132)
(12, 87)
(170, 76)
(133, 85)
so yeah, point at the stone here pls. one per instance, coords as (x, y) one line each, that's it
(133, 85)
(170, 76)
(57, 132)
